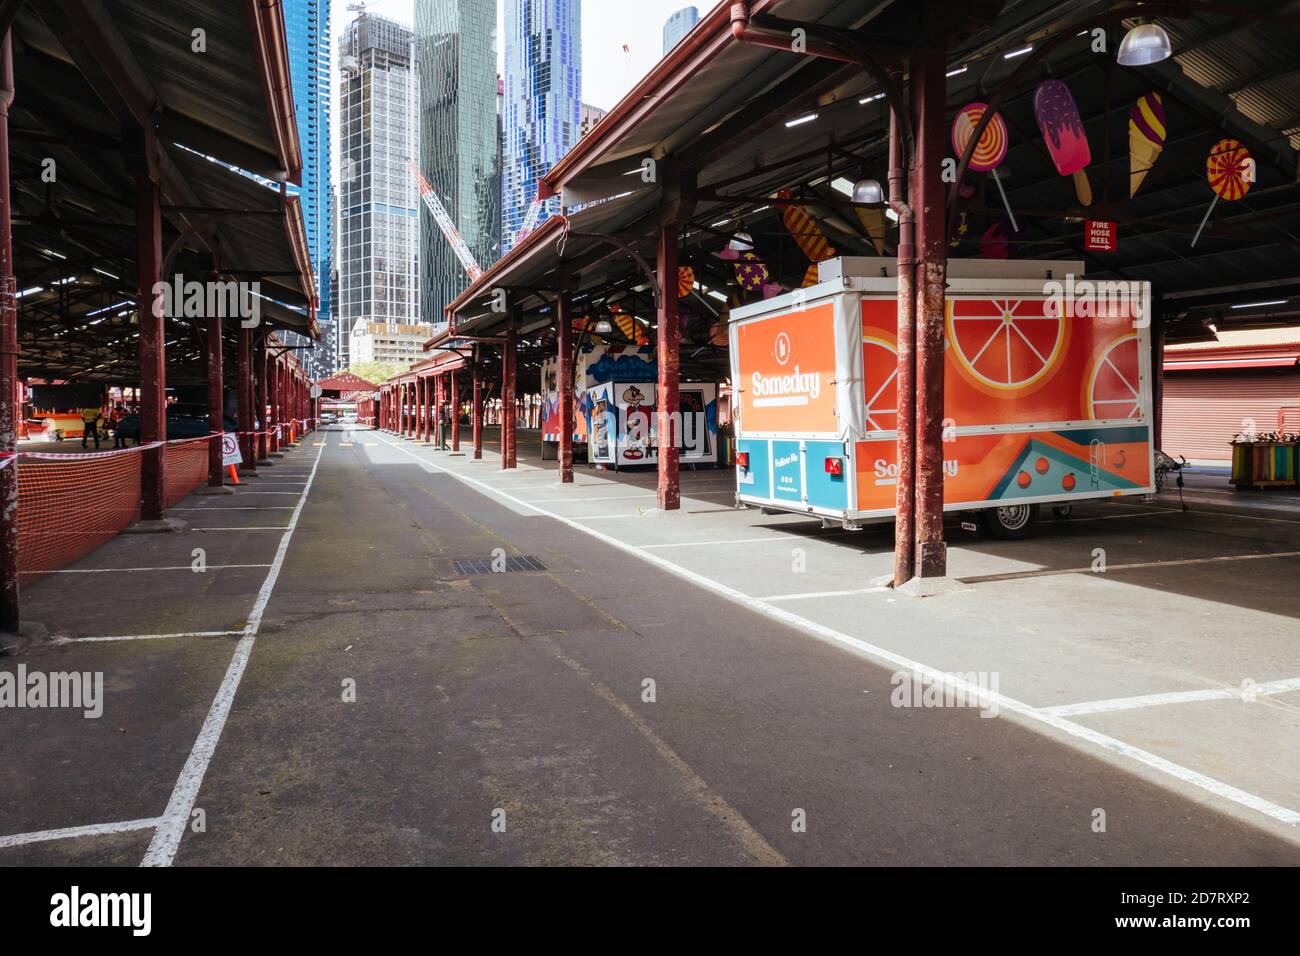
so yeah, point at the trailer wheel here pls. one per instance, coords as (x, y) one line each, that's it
(1009, 523)
(1062, 511)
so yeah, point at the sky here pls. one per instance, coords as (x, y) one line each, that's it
(607, 72)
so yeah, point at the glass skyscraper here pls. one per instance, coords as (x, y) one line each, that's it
(678, 25)
(379, 205)
(307, 23)
(460, 153)
(543, 97)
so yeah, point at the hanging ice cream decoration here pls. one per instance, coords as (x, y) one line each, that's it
(1230, 170)
(1146, 138)
(989, 152)
(1062, 128)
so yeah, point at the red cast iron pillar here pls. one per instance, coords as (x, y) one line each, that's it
(421, 400)
(905, 444)
(478, 405)
(509, 409)
(263, 364)
(929, 196)
(216, 404)
(669, 358)
(455, 410)
(152, 355)
(244, 391)
(564, 384)
(277, 386)
(8, 365)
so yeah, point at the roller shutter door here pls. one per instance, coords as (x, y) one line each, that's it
(1203, 410)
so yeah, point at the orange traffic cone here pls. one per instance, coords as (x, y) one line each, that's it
(234, 475)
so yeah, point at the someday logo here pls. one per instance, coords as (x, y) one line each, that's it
(797, 388)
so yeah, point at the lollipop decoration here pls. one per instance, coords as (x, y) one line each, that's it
(1146, 138)
(989, 152)
(1062, 128)
(1230, 171)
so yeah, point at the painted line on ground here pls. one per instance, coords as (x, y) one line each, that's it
(167, 838)
(1180, 562)
(1175, 697)
(254, 528)
(210, 510)
(822, 594)
(71, 833)
(170, 567)
(143, 637)
(881, 655)
(770, 539)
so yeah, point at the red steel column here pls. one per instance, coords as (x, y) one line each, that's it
(276, 386)
(455, 411)
(9, 406)
(478, 405)
(262, 364)
(929, 99)
(152, 354)
(669, 348)
(244, 390)
(216, 403)
(905, 444)
(564, 379)
(509, 409)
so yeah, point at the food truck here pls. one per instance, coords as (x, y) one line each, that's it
(1047, 392)
(622, 425)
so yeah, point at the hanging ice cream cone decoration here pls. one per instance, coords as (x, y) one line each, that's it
(1230, 170)
(808, 235)
(1146, 138)
(989, 152)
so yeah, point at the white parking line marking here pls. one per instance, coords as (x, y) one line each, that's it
(1175, 697)
(888, 658)
(171, 567)
(144, 637)
(71, 833)
(167, 839)
(822, 594)
(1180, 562)
(242, 508)
(267, 528)
(770, 539)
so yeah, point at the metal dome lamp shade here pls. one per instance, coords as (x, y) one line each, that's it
(868, 191)
(1145, 44)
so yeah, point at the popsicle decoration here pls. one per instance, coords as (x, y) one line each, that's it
(1062, 128)
(1230, 170)
(1146, 138)
(989, 152)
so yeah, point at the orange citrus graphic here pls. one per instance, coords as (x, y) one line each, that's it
(880, 380)
(1005, 343)
(1114, 389)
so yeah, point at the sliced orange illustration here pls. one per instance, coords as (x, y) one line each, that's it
(1114, 390)
(1005, 343)
(880, 383)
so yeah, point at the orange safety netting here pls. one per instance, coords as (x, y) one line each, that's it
(185, 466)
(69, 505)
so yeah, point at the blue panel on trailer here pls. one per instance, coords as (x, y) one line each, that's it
(756, 479)
(787, 472)
(825, 490)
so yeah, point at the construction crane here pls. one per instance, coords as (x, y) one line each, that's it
(530, 220)
(445, 223)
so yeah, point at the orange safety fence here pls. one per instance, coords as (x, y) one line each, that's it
(185, 467)
(69, 505)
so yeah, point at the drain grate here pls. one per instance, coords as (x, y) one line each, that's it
(493, 566)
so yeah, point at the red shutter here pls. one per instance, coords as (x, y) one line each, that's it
(1203, 410)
